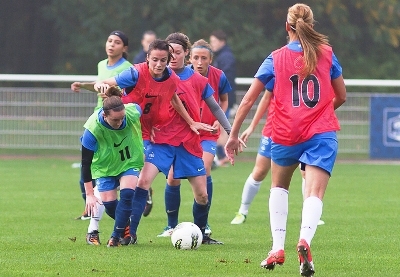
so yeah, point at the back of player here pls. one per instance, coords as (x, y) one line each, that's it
(297, 122)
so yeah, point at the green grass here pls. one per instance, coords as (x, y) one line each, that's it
(40, 198)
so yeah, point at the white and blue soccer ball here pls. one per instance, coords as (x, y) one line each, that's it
(186, 236)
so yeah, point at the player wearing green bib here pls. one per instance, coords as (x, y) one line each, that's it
(107, 71)
(112, 154)
(116, 62)
(116, 48)
(115, 147)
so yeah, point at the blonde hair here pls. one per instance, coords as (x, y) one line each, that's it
(201, 43)
(301, 20)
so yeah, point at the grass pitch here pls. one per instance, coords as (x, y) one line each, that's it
(40, 198)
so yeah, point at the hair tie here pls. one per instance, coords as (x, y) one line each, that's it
(122, 36)
(177, 41)
(202, 47)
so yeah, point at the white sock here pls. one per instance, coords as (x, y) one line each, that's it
(94, 220)
(278, 211)
(303, 186)
(250, 189)
(312, 211)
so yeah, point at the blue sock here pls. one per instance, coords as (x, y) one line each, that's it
(172, 204)
(200, 215)
(209, 189)
(220, 152)
(138, 204)
(209, 192)
(123, 211)
(110, 207)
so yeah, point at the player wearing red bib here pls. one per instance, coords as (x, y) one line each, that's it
(308, 88)
(193, 89)
(200, 58)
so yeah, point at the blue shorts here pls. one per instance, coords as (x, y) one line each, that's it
(111, 183)
(146, 144)
(320, 150)
(163, 156)
(265, 147)
(209, 146)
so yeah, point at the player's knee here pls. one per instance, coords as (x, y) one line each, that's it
(259, 174)
(144, 184)
(174, 182)
(201, 199)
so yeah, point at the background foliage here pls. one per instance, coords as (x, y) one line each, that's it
(68, 36)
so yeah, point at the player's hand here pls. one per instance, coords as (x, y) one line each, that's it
(196, 126)
(101, 87)
(76, 86)
(246, 134)
(233, 147)
(91, 207)
(241, 145)
(216, 126)
(153, 133)
(102, 95)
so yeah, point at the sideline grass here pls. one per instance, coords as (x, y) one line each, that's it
(40, 198)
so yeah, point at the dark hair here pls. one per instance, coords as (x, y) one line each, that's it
(162, 45)
(113, 91)
(124, 39)
(219, 34)
(179, 38)
(122, 36)
(113, 103)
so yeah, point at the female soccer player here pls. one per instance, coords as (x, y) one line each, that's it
(200, 59)
(175, 146)
(116, 49)
(263, 159)
(308, 88)
(116, 62)
(154, 88)
(112, 154)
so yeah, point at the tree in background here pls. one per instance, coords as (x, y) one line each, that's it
(366, 33)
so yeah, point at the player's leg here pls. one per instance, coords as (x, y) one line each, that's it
(209, 151)
(319, 157)
(92, 236)
(172, 198)
(192, 167)
(149, 200)
(159, 157)
(284, 163)
(303, 186)
(108, 193)
(127, 184)
(253, 182)
(221, 158)
(251, 187)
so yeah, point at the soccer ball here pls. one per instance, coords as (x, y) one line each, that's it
(187, 236)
